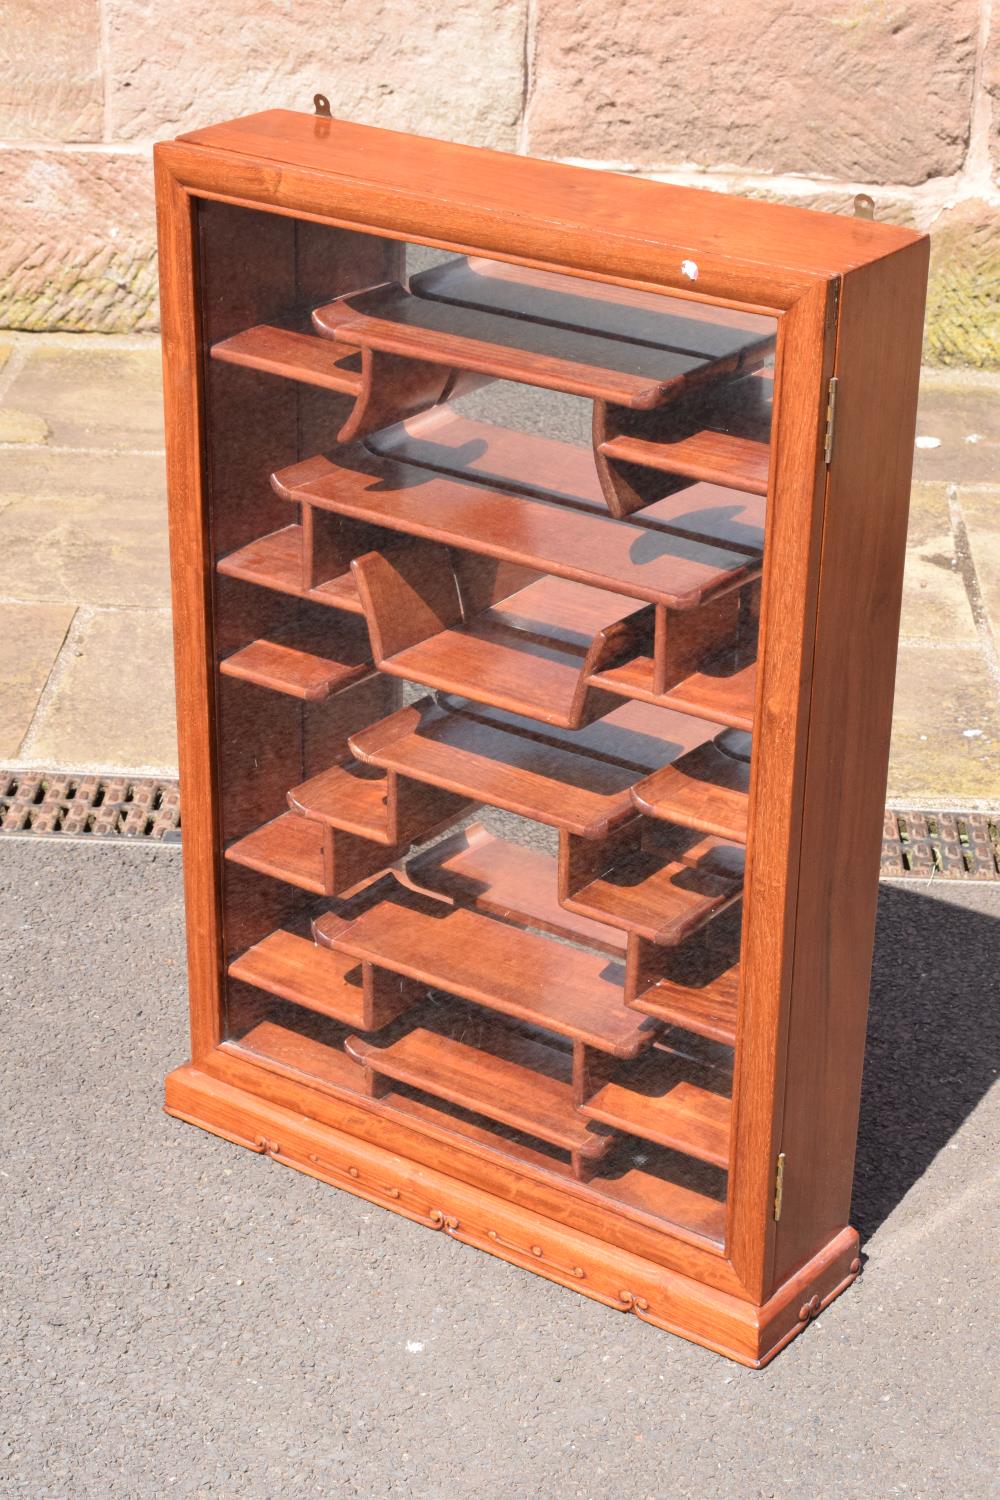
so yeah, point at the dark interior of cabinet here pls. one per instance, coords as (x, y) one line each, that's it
(487, 546)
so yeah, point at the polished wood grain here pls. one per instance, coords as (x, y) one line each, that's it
(658, 1103)
(662, 894)
(706, 789)
(532, 652)
(533, 464)
(738, 463)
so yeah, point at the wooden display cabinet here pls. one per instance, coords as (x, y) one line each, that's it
(537, 548)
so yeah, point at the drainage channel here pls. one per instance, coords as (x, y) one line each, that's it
(100, 807)
(921, 845)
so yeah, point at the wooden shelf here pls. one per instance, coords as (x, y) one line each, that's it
(284, 669)
(275, 561)
(724, 698)
(706, 789)
(518, 1081)
(288, 848)
(345, 797)
(709, 1009)
(295, 355)
(643, 1196)
(521, 974)
(531, 651)
(595, 307)
(509, 881)
(388, 319)
(737, 463)
(576, 781)
(656, 1102)
(674, 569)
(649, 891)
(332, 984)
(527, 463)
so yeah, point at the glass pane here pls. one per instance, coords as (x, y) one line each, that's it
(487, 546)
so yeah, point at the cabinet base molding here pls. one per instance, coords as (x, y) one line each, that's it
(743, 1331)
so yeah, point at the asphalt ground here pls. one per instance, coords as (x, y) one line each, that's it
(186, 1318)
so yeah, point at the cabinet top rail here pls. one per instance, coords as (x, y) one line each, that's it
(699, 242)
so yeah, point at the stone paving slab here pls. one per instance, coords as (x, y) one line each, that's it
(31, 637)
(83, 523)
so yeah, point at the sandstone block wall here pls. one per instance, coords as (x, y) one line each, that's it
(807, 101)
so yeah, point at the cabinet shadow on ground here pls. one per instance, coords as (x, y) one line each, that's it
(933, 1035)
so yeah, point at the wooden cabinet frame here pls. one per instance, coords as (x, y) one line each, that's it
(848, 295)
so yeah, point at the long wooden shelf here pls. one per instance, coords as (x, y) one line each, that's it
(673, 569)
(527, 463)
(658, 1103)
(706, 789)
(292, 354)
(552, 355)
(516, 1080)
(285, 669)
(578, 781)
(536, 979)
(275, 561)
(618, 312)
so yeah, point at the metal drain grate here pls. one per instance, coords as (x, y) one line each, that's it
(47, 802)
(955, 846)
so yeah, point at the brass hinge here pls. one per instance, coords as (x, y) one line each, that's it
(831, 416)
(779, 1185)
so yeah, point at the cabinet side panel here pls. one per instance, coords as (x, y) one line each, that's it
(878, 366)
(190, 566)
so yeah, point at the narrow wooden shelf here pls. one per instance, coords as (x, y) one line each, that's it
(285, 1051)
(617, 312)
(727, 698)
(655, 895)
(345, 798)
(706, 789)
(668, 568)
(528, 463)
(518, 1081)
(576, 781)
(558, 357)
(708, 1009)
(657, 1103)
(509, 881)
(288, 848)
(295, 355)
(284, 669)
(738, 463)
(521, 974)
(275, 561)
(332, 984)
